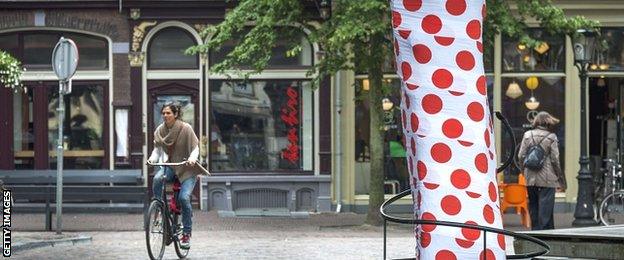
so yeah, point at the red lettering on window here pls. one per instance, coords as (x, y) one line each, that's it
(290, 117)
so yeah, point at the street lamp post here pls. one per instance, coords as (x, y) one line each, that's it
(584, 44)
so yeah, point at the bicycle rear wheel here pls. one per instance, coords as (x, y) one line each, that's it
(612, 209)
(155, 230)
(181, 252)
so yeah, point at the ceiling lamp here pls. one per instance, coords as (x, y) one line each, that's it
(542, 48)
(365, 85)
(601, 82)
(513, 90)
(386, 104)
(532, 83)
(532, 103)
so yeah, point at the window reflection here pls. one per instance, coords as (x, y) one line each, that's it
(83, 127)
(549, 56)
(611, 56)
(166, 50)
(260, 125)
(23, 130)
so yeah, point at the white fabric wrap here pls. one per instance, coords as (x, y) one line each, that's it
(447, 125)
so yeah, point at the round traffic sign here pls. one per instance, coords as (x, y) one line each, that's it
(65, 59)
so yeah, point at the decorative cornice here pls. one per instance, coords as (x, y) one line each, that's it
(139, 33)
(136, 58)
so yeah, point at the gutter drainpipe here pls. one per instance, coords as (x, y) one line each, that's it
(337, 141)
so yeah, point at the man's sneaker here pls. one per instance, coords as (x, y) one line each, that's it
(185, 242)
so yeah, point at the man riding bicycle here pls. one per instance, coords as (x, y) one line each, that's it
(175, 141)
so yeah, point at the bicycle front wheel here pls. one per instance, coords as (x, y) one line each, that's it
(155, 230)
(181, 252)
(612, 209)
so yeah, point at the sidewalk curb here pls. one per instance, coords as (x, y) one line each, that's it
(23, 246)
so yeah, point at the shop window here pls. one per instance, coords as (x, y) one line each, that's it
(611, 56)
(166, 50)
(520, 108)
(547, 57)
(261, 125)
(35, 50)
(83, 127)
(279, 58)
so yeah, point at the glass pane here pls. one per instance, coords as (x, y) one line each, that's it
(488, 57)
(396, 175)
(260, 125)
(278, 57)
(9, 43)
(38, 49)
(550, 56)
(610, 58)
(83, 127)
(23, 131)
(518, 115)
(186, 106)
(166, 50)
(93, 51)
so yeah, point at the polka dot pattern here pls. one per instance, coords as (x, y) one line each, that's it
(446, 123)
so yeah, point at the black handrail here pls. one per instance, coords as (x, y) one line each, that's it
(485, 229)
(388, 217)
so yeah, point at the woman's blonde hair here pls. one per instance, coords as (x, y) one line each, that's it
(544, 119)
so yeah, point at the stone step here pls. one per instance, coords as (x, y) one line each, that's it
(579, 243)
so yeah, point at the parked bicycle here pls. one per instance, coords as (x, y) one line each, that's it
(611, 210)
(163, 223)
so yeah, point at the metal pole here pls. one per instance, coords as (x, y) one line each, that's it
(59, 159)
(584, 212)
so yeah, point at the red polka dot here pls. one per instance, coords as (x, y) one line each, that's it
(488, 214)
(427, 216)
(406, 69)
(414, 122)
(489, 255)
(419, 198)
(431, 24)
(473, 29)
(482, 85)
(422, 54)
(431, 103)
(475, 111)
(410, 165)
(471, 234)
(445, 255)
(404, 119)
(442, 78)
(405, 33)
(407, 101)
(480, 46)
(492, 192)
(396, 47)
(450, 205)
(501, 241)
(413, 144)
(460, 179)
(456, 7)
(441, 153)
(412, 5)
(464, 243)
(486, 136)
(396, 19)
(411, 86)
(422, 170)
(483, 11)
(425, 239)
(444, 41)
(481, 162)
(465, 60)
(452, 128)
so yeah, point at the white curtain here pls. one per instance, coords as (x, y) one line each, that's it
(121, 129)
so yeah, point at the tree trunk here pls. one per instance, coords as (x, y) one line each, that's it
(376, 189)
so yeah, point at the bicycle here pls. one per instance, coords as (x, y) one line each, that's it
(611, 209)
(162, 223)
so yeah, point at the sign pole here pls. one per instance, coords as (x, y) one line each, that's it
(59, 159)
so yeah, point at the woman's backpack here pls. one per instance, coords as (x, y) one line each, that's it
(535, 155)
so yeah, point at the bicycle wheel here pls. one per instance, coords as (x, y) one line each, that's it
(155, 230)
(181, 252)
(612, 209)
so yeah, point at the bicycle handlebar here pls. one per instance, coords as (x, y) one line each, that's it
(204, 171)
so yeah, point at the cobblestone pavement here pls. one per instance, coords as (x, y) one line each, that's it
(330, 243)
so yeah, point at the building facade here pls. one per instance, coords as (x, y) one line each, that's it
(263, 138)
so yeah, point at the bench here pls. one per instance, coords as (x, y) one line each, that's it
(83, 191)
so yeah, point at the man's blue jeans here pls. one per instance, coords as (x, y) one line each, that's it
(166, 173)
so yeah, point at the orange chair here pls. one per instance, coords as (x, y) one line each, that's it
(515, 195)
